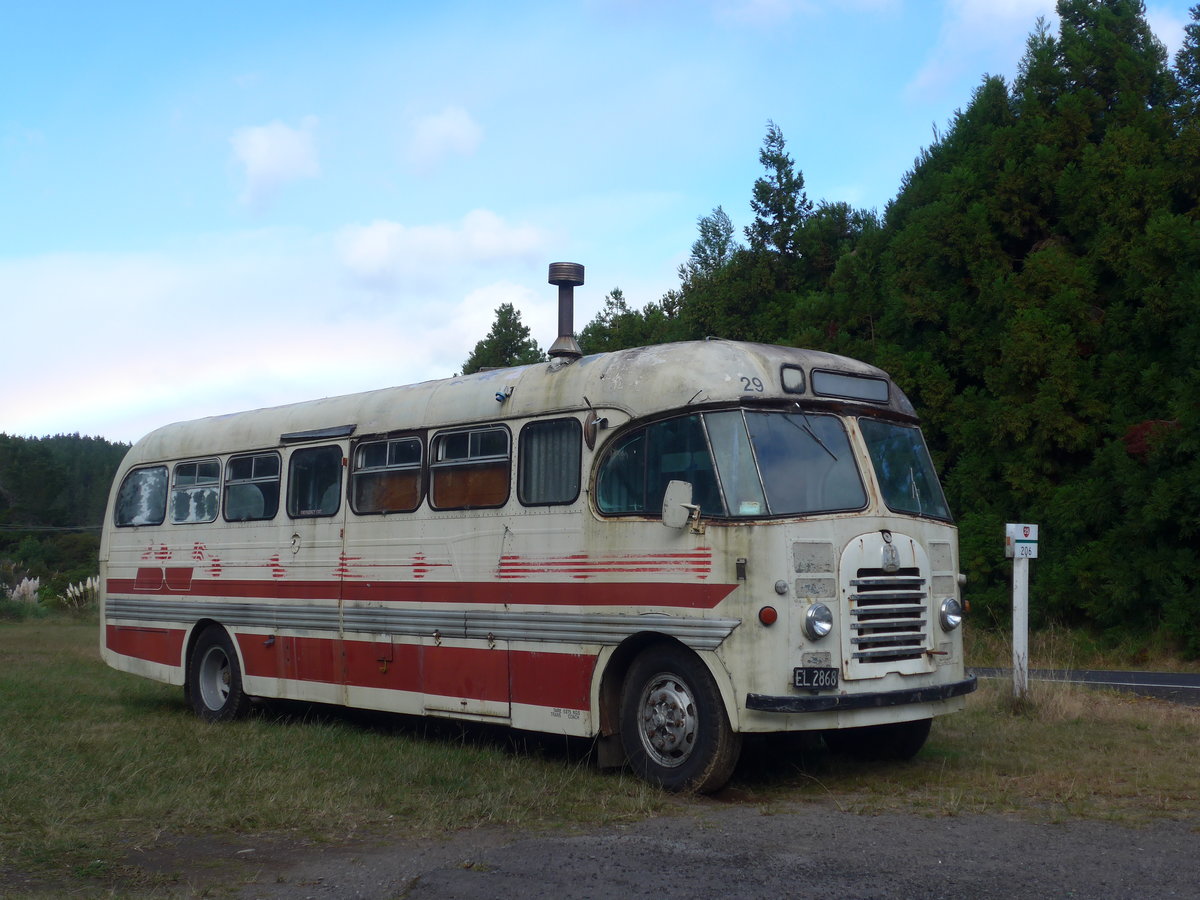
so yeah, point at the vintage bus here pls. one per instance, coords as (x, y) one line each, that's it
(661, 548)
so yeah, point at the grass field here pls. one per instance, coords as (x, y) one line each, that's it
(96, 763)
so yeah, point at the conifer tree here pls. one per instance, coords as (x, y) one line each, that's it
(779, 202)
(507, 344)
(714, 247)
(1187, 71)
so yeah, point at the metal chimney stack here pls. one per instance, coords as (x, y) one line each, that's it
(567, 276)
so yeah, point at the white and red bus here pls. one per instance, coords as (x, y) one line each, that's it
(664, 548)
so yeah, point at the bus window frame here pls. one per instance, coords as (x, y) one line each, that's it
(175, 488)
(315, 512)
(817, 374)
(166, 493)
(458, 464)
(618, 442)
(521, 454)
(228, 482)
(421, 468)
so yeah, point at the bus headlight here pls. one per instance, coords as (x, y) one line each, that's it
(818, 621)
(951, 615)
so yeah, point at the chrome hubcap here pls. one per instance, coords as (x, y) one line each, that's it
(668, 711)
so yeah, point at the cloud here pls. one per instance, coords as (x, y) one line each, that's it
(451, 132)
(1168, 26)
(385, 255)
(273, 155)
(259, 318)
(977, 36)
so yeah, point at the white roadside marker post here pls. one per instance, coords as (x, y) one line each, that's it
(1020, 545)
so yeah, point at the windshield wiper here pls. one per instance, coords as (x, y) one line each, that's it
(914, 491)
(807, 429)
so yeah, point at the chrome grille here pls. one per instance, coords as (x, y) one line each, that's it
(889, 615)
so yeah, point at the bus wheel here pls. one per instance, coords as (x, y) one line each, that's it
(897, 741)
(673, 723)
(214, 680)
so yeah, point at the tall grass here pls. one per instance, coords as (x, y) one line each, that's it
(1055, 647)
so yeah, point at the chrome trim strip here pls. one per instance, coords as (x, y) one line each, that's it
(473, 624)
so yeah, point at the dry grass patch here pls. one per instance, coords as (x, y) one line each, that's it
(1054, 647)
(1068, 753)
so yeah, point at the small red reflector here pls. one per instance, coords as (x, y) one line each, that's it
(767, 615)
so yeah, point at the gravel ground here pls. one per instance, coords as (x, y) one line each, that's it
(741, 851)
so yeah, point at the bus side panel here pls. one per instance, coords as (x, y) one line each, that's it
(156, 645)
(163, 672)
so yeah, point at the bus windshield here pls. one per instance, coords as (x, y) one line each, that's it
(904, 469)
(768, 463)
(804, 461)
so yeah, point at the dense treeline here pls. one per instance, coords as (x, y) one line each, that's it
(53, 492)
(1035, 287)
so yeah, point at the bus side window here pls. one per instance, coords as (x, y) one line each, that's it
(621, 484)
(470, 469)
(142, 499)
(252, 487)
(549, 458)
(679, 451)
(635, 474)
(315, 482)
(387, 476)
(195, 491)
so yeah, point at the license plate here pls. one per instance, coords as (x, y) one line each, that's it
(815, 678)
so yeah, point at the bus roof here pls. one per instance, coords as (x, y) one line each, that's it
(639, 382)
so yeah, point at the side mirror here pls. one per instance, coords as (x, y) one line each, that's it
(677, 504)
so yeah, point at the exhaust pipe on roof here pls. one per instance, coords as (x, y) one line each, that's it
(567, 276)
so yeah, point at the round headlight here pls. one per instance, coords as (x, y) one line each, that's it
(818, 621)
(951, 614)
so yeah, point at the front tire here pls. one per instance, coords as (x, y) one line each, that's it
(673, 723)
(214, 679)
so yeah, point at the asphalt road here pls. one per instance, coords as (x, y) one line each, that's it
(1174, 686)
(739, 852)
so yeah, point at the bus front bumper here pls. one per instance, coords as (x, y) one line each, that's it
(826, 702)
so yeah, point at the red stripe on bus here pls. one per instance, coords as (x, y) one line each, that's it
(302, 659)
(551, 679)
(465, 672)
(383, 664)
(525, 593)
(160, 645)
(562, 680)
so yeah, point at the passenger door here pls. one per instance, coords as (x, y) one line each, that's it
(314, 562)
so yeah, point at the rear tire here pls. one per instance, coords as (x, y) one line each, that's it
(673, 723)
(214, 679)
(896, 741)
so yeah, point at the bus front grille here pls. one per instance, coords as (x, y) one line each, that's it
(889, 615)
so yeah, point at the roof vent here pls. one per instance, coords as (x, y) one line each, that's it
(567, 276)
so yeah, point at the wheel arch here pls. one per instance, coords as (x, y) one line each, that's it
(189, 646)
(197, 629)
(616, 667)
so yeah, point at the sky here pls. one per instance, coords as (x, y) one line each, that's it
(219, 206)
